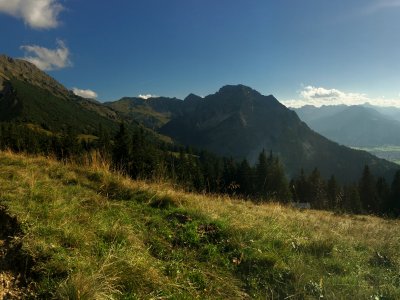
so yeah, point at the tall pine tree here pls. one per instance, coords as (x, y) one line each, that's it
(394, 204)
(367, 191)
(122, 149)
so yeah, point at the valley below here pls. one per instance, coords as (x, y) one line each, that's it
(390, 153)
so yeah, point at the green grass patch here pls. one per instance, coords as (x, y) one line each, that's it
(92, 234)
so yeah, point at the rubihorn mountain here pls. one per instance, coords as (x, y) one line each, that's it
(236, 121)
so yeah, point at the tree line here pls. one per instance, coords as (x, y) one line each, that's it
(138, 154)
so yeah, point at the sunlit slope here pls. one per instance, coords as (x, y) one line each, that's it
(87, 233)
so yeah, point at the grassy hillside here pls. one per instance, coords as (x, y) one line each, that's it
(82, 232)
(31, 104)
(152, 113)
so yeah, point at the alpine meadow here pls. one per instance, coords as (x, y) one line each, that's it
(183, 150)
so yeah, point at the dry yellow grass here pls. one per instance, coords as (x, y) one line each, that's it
(273, 250)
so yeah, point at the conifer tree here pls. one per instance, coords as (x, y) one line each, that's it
(316, 187)
(332, 193)
(229, 176)
(394, 206)
(383, 195)
(122, 149)
(210, 170)
(277, 184)
(104, 141)
(300, 188)
(245, 178)
(367, 191)
(351, 200)
(262, 175)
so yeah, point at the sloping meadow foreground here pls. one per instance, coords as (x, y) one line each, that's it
(84, 232)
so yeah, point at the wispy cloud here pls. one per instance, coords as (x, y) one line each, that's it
(48, 59)
(378, 5)
(147, 96)
(85, 93)
(38, 14)
(319, 96)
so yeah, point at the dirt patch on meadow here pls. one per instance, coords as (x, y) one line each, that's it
(15, 265)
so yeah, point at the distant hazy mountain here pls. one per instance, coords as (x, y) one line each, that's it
(239, 122)
(310, 113)
(358, 126)
(391, 112)
(29, 95)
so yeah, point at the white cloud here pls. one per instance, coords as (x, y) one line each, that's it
(147, 96)
(48, 59)
(311, 92)
(85, 93)
(38, 14)
(319, 96)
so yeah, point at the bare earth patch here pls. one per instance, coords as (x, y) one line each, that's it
(14, 283)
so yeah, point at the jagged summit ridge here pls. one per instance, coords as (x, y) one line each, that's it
(238, 89)
(192, 98)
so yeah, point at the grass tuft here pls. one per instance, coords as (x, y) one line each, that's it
(90, 233)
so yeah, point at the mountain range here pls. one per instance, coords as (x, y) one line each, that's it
(356, 126)
(236, 121)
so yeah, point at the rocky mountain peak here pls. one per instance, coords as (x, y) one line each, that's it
(238, 90)
(23, 70)
(192, 98)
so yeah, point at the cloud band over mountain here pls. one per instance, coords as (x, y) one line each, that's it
(319, 96)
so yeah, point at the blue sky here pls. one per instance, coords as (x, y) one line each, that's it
(309, 51)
